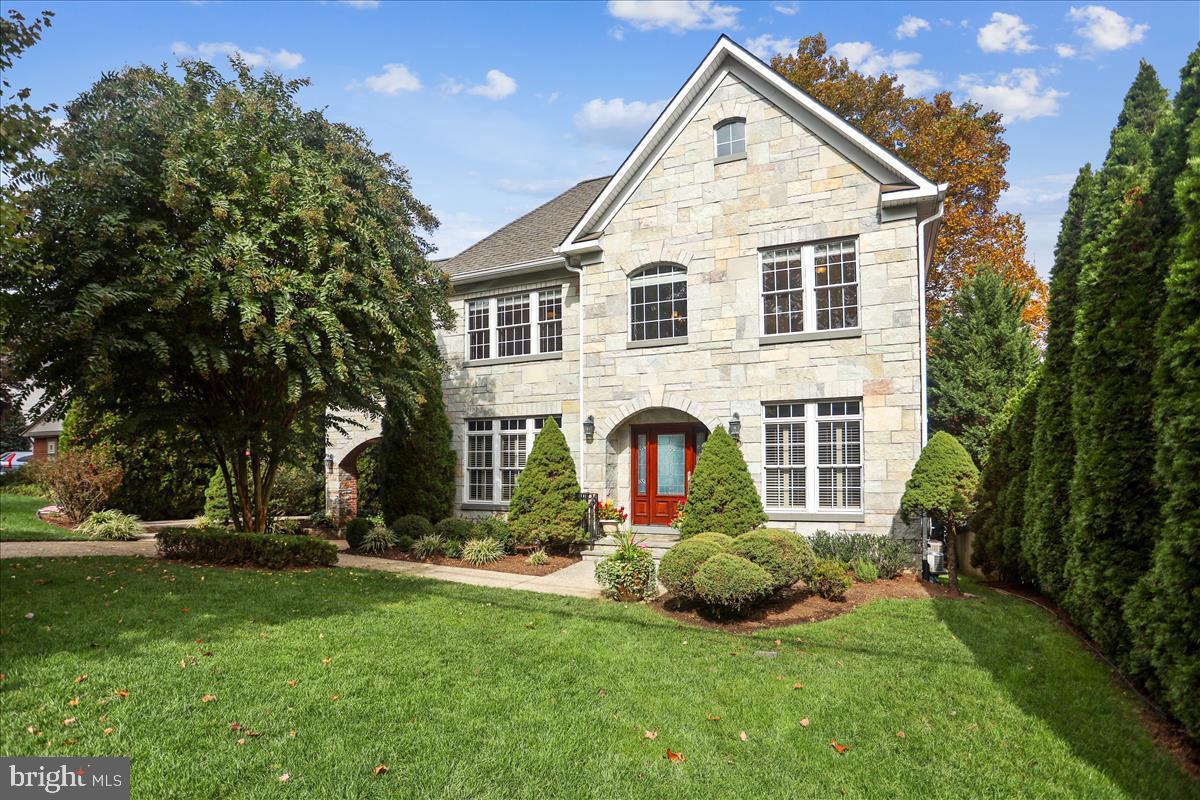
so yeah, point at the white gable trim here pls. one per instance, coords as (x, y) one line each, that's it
(839, 134)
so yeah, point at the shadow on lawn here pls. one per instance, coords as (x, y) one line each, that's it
(1064, 686)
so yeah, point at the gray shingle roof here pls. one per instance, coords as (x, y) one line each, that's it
(532, 236)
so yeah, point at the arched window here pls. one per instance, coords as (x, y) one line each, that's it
(658, 303)
(731, 137)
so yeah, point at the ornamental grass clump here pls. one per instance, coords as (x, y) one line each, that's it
(377, 540)
(111, 525)
(482, 551)
(429, 546)
(538, 558)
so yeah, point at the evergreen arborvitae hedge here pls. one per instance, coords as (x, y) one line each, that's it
(721, 496)
(416, 463)
(545, 506)
(1052, 463)
(999, 520)
(1114, 509)
(1164, 611)
(980, 353)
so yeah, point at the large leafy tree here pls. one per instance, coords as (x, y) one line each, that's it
(947, 142)
(981, 352)
(1052, 462)
(1114, 508)
(208, 252)
(1164, 611)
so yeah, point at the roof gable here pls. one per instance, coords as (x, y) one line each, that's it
(727, 57)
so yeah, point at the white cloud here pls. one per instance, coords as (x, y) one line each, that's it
(394, 79)
(910, 26)
(362, 5)
(615, 121)
(1065, 51)
(533, 186)
(458, 231)
(767, 45)
(552, 98)
(865, 57)
(1039, 190)
(451, 86)
(676, 16)
(1018, 95)
(1105, 29)
(788, 10)
(617, 32)
(497, 87)
(220, 51)
(1005, 33)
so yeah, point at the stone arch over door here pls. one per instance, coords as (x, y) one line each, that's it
(607, 423)
(342, 450)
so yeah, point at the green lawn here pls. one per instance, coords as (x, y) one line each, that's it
(474, 692)
(19, 521)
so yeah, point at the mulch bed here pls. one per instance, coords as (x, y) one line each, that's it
(799, 605)
(511, 563)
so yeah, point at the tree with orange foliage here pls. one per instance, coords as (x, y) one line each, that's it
(958, 144)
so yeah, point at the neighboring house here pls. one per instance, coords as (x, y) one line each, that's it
(45, 434)
(756, 262)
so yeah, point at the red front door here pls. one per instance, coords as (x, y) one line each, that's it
(662, 458)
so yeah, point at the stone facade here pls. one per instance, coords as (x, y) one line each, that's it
(714, 219)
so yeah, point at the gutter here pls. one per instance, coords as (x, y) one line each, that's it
(578, 270)
(922, 267)
(508, 269)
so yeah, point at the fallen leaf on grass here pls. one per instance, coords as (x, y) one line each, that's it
(743, 736)
(284, 778)
(379, 770)
(602, 693)
(74, 701)
(711, 718)
(900, 734)
(28, 615)
(80, 678)
(334, 697)
(235, 726)
(650, 735)
(186, 609)
(121, 693)
(107, 731)
(3, 677)
(69, 721)
(292, 734)
(208, 698)
(241, 741)
(797, 685)
(673, 757)
(292, 684)
(841, 748)
(804, 722)
(326, 660)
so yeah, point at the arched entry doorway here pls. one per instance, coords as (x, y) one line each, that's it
(345, 497)
(651, 456)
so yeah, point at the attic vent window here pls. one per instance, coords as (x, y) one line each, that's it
(731, 138)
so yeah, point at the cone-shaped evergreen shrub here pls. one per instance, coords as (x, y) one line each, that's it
(721, 496)
(545, 506)
(1164, 611)
(416, 462)
(1114, 509)
(942, 486)
(1047, 494)
(216, 499)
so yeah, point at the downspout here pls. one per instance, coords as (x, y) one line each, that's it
(922, 264)
(578, 270)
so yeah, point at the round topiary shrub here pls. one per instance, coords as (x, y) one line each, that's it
(680, 564)
(726, 582)
(356, 531)
(830, 579)
(455, 529)
(411, 526)
(783, 554)
(714, 537)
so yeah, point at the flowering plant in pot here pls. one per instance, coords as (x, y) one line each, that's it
(629, 573)
(611, 517)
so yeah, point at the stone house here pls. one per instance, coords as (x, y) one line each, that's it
(756, 262)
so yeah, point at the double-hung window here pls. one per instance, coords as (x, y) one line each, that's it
(810, 288)
(812, 456)
(658, 303)
(515, 325)
(496, 453)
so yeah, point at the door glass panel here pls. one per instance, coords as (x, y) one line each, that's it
(671, 455)
(641, 463)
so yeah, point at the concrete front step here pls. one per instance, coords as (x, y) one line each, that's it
(656, 543)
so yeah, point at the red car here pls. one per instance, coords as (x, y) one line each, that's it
(14, 459)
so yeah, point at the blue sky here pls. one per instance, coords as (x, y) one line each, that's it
(494, 108)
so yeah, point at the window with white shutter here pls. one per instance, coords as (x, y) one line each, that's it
(799, 436)
(497, 450)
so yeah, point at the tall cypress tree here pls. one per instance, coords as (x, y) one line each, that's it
(415, 461)
(1047, 498)
(1114, 509)
(981, 353)
(1164, 611)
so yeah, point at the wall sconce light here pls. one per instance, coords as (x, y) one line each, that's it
(328, 462)
(735, 426)
(589, 427)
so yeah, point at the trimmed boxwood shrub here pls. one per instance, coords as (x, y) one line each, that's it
(722, 496)
(726, 582)
(454, 529)
(356, 531)
(829, 579)
(218, 546)
(714, 537)
(680, 564)
(783, 554)
(411, 526)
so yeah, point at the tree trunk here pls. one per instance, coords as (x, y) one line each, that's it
(952, 555)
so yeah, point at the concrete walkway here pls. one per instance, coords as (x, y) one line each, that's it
(576, 580)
